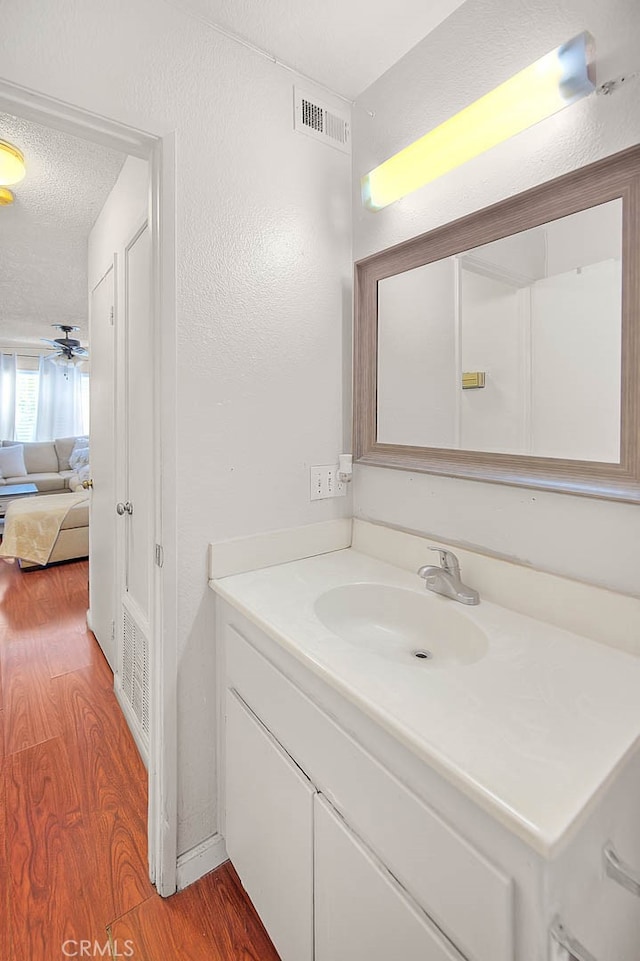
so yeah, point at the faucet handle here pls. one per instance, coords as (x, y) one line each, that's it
(448, 560)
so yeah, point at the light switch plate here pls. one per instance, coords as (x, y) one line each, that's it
(324, 483)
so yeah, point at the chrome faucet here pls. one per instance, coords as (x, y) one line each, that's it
(445, 579)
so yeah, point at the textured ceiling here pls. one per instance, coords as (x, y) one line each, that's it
(43, 236)
(344, 45)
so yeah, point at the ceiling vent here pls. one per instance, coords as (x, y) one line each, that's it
(315, 119)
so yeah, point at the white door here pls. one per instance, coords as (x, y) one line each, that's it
(102, 556)
(269, 830)
(361, 912)
(135, 508)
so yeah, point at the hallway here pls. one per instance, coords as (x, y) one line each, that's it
(73, 803)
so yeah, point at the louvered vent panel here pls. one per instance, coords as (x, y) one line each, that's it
(335, 127)
(312, 116)
(128, 656)
(135, 670)
(317, 120)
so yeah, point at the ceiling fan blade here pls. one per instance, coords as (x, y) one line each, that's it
(52, 343)
(81, 351)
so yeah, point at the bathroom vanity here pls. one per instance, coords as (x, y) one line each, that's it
(404, 777)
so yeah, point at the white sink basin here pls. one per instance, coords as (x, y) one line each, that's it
(401, 625)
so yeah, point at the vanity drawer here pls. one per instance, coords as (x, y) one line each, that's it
(469, 898)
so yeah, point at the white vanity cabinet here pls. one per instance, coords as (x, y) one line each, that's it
(395, 859)
(319, 891)
(361, 912)
(269, 830)
(354, 849)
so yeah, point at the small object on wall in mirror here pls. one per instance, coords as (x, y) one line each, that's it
(473, 379)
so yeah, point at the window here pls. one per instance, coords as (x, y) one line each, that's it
(27, 383)
(56, 419)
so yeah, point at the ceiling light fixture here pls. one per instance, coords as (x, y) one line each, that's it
(12, 166)
(555, 81)
(6, 197)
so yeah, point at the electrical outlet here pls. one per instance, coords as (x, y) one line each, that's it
(325, 483)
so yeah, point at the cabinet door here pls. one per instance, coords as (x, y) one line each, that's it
(362, 914)
(269, 830)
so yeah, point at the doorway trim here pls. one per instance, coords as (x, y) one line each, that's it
(159, 150)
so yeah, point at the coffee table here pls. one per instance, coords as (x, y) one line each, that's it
(11, 491)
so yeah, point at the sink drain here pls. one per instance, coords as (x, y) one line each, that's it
(423, 655)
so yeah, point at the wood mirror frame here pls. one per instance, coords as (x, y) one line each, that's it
(616, 177)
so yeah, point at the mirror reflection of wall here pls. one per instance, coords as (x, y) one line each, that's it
(540, 314)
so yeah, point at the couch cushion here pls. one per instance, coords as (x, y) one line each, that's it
(45, 481)
(40, 457)
(66, 476)
(64, 446)
(12, 463)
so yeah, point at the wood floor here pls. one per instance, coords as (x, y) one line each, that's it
(73, 874)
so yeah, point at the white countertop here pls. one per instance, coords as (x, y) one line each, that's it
(532, 732)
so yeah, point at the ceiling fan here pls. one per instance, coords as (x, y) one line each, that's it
(68, 349)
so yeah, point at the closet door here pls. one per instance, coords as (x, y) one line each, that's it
(269, 830)
(361, 912)
(102, 547)
(134, 521)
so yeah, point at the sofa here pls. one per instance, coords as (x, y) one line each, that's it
(46, 464)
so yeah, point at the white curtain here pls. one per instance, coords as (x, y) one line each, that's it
(8, 367)
(60, 412)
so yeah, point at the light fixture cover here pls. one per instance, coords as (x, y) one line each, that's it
(6, 197)
(555, 81)
(12, 166)
(62, 360)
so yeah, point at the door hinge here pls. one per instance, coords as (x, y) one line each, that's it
(113, 631)
(112, 316)
(159, 552)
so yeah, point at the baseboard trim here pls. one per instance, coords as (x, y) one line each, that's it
(132, 721)
(201, 859)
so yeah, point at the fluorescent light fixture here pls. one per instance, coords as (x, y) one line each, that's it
(12, 167)
(555, 81)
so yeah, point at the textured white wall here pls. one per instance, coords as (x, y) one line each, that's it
(263, 276)
(480, 45)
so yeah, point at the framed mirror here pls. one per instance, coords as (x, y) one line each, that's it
(505, 346)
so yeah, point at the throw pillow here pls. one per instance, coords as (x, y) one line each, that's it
(12, 461)
(64, 448)
(79, 457)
